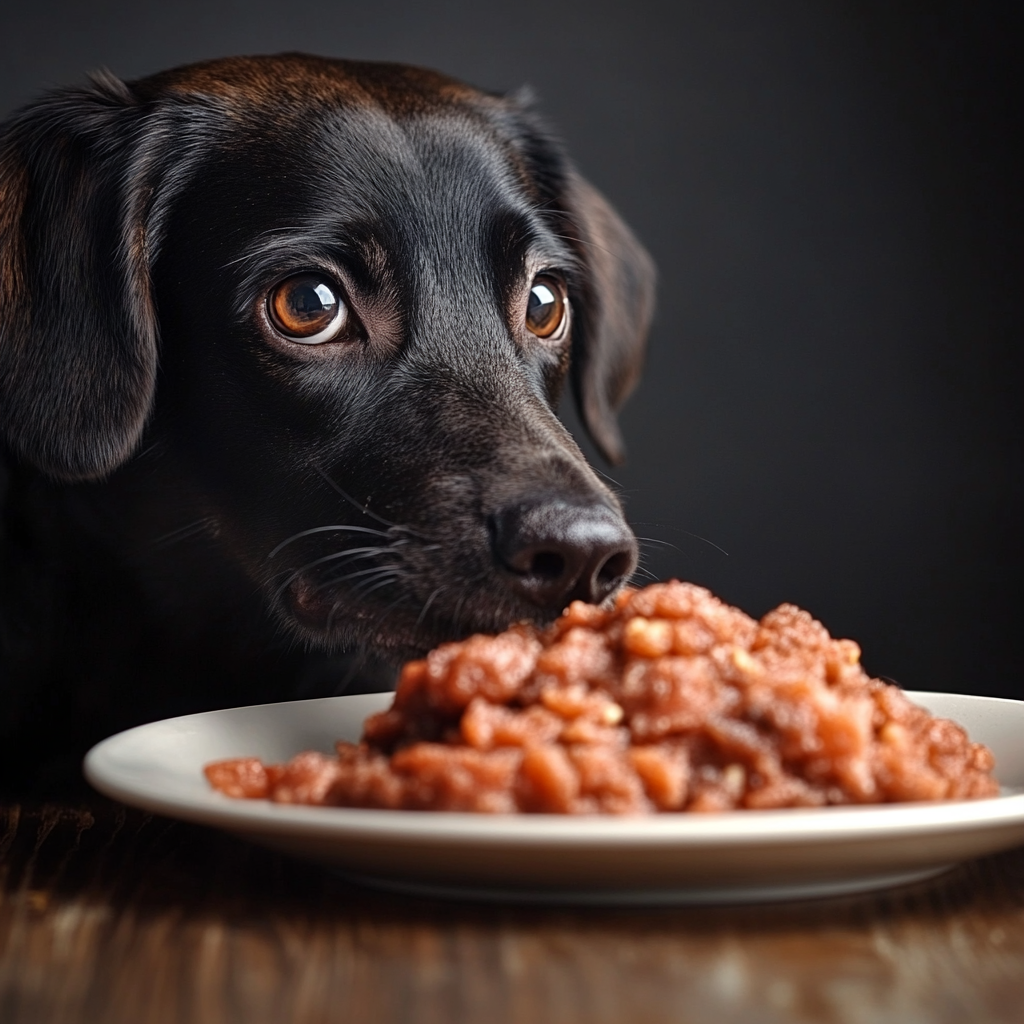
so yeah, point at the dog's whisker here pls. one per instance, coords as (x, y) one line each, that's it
(149, 449)
(330, 615)
(704, 540)
(265, 239)
(679, 529)
(294, 574)
(379, 621)
(375, 570)
(457, 615)
(363, 594)
(362, 508)
(600, 472)
(184, 532)
(346, 553)
(641, 571)
(365, 552)
(426, 606)
(324, 529)
(655, 540)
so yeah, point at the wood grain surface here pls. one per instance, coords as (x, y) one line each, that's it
(111, 916)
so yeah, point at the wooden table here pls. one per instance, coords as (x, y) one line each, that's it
(111, 916)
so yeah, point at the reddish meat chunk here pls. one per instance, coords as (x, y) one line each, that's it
(671, 700)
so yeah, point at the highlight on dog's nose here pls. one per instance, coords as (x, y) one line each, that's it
(558, 552)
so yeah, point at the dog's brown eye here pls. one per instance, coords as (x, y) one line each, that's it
(306, 308)
(545, 308)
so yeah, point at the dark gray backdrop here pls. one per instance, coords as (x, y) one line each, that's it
(833, 195)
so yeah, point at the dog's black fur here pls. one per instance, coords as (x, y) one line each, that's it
(198, 512)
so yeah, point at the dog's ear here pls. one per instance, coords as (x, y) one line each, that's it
(78, 346)
(610, 330)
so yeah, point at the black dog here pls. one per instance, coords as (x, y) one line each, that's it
(281, 341)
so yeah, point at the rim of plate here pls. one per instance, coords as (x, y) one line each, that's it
(779, 826)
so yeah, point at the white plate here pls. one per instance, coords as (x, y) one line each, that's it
(682, 858)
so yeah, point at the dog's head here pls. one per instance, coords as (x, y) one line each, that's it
(341, 299)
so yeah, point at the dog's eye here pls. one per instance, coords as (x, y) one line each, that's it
(306, 308)
(545, 308)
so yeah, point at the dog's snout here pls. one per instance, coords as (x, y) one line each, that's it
(556, 553)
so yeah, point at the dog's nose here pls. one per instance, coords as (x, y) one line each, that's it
(557, 552)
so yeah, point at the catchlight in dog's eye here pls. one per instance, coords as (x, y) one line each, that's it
(306, 308)
(545, 308)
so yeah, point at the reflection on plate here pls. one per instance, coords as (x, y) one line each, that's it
(698, 858)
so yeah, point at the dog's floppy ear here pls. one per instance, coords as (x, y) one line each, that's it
(78, 344)
(610, 330)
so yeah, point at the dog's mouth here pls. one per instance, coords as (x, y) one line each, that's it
(526, 562)
(395, 620)
(400, 623)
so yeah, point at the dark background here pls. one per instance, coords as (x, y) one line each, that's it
(832, 192)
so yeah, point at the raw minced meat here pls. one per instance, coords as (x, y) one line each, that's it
(670, 700)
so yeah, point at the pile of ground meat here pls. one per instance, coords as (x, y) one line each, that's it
(669, 701)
